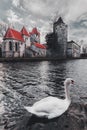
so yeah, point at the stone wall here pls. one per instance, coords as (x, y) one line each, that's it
(57, 40)
(61, 40)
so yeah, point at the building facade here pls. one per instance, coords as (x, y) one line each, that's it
(22, 44)
(34, 36)
(83, 50)
(36, 49)
(57, 40)
(73, 49)
(1, 40)
(26, 36)
(15, 43)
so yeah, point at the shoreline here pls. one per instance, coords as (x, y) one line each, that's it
(38, 59)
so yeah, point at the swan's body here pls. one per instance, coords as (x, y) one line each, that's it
(49, 107)
(52, 107)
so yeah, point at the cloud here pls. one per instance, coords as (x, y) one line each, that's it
(42, 13)
(15, 3)
(76, 9)
(13, 18)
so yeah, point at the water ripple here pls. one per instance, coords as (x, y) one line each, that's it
(25, 83)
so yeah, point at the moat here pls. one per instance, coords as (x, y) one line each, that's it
(23, 83)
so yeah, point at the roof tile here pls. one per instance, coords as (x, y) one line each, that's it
(24, 32)
(39, 45)
(13, 34)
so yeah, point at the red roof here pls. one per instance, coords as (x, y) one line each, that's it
(24, 32)
(13, 34)
(39, 45)
(30, 33)
(35, 31)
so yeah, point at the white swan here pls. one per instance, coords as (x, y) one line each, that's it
(51, 107)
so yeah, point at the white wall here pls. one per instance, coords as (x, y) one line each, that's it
(22, 49)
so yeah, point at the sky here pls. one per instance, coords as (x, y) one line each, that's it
(42, 14)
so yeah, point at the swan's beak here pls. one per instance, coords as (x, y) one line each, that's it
(72, 81)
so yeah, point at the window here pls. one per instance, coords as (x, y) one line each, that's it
(10, 46)
(25, 46)
(4, 45)
(56, 29)
(26, 39)
(16, 46)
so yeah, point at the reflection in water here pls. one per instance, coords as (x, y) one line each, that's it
(25, 83)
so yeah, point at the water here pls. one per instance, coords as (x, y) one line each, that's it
(22, 84)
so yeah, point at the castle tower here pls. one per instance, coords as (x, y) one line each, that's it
(60, 31)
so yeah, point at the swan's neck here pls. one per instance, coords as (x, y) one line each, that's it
(67, 92)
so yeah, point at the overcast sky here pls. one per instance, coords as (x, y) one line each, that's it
(41, 13)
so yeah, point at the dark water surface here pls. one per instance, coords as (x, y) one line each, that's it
(22, 84)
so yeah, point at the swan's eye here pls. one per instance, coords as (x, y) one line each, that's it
(72, 81)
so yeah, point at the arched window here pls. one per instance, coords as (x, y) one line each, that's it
(16, 46)
(10, 46)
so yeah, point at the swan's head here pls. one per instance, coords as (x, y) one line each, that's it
(68, 81)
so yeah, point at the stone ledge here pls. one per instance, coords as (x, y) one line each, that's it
(74, 119)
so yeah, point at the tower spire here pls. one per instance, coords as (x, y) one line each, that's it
(60, 20)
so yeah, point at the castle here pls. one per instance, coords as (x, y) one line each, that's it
(57, 40)
(22, 43)
(27, 44)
